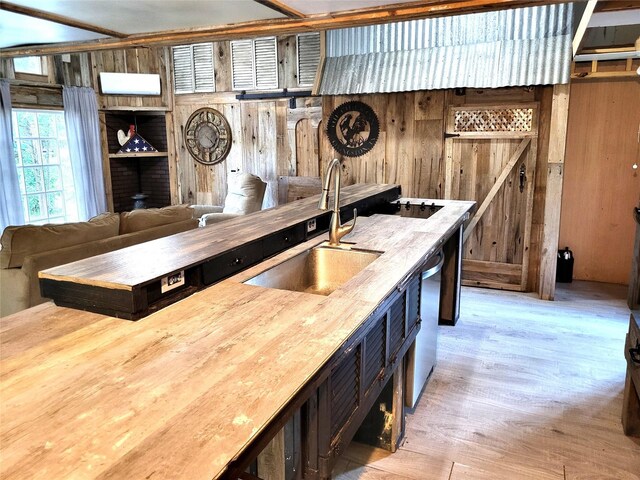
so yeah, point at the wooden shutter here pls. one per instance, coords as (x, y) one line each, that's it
(193, 68)
(242, 64)
(266, 61)
(345, 390)
(203, 67)
(182, 69)
(308, 58)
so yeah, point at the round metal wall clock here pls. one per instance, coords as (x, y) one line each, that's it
(353, 128)
(207, 136)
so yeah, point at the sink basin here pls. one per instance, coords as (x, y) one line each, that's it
(319, 270)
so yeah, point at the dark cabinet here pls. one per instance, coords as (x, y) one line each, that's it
(282, 240)
(231, 262)
(360, 374)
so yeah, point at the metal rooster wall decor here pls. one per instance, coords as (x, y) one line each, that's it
(353, 129)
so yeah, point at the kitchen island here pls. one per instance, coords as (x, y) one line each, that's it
(191, 390)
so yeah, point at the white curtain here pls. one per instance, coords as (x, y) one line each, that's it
(11, 212)
(83, 134)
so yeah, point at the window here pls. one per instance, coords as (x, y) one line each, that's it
(254, 64)
(32, 65)
(44, 167)
(193, 68)
(308, 58)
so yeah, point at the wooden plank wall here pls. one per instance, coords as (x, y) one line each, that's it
(267, 136)
(259, 146)
(409, 149)
(134, 60)
(44, 90)
(600, 186)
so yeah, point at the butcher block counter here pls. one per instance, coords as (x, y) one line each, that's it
(184, 392)
(132, 282)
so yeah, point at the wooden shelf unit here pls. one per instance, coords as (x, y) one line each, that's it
(138, 155)
(127, 174)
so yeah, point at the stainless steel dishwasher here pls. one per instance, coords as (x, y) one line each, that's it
(421, 357)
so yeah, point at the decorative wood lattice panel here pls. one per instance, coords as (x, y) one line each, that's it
(493, 120)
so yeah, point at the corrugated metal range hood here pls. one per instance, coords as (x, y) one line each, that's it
(524, 46)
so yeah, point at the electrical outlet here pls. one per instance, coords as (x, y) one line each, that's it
(311, 225)
(172, 281)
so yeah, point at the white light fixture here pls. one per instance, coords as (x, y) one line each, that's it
(130, 83)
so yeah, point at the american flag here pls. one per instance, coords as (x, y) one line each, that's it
(136, 144)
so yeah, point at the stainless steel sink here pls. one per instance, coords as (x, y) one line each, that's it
(319, 270)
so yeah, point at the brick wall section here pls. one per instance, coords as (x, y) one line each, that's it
(154, 179)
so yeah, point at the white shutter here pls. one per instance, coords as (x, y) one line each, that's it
(193, 68)
(308, 58)
(182, 69)
(203, 67)
(242, 65)
(266, 58)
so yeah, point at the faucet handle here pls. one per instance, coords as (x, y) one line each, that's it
(355, 217)
(348, 227)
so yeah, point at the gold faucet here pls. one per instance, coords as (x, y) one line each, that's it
(336, 231)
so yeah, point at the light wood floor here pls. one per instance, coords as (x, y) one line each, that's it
(523, 389)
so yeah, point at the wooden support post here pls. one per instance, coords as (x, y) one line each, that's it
(451, 279)
(553, 195)
(174, 189)
(582, 25)
(271, 459)
(106, 162)
(309, 436)
(397, 427)
(324, 431)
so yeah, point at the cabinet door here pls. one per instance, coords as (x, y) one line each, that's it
(413, 302)
(345, 390)
(397, 325)
(374, 356)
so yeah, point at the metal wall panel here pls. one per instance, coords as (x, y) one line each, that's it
(525, 46)
(308, 54)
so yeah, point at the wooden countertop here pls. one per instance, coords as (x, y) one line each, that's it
(180, 393)
(142, 263)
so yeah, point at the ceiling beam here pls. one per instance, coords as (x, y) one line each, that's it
(287, 26)
(582, 26)
(52, 17)
(281, 8)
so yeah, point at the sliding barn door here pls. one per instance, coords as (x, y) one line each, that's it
(491, 158)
